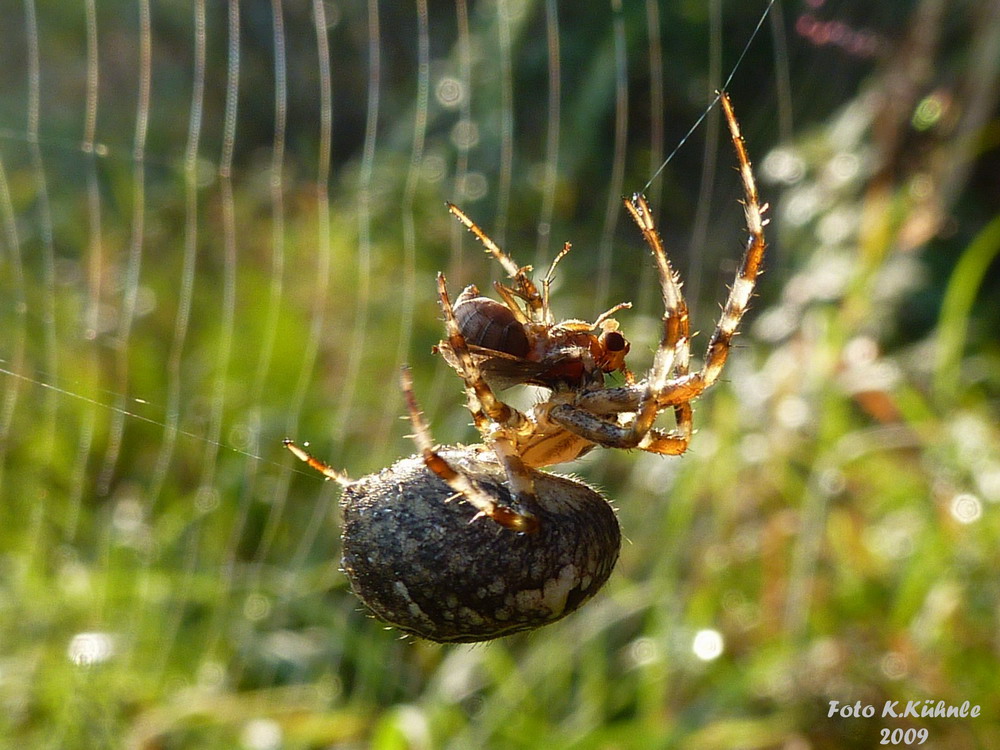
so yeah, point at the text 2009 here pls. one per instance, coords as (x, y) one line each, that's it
(903, 736)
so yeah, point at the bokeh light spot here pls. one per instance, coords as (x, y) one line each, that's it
(708, 644)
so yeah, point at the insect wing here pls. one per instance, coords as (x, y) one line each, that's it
(499, 369)
(503, 371)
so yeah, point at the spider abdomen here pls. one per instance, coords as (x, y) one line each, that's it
(487, 323)
(422, 560)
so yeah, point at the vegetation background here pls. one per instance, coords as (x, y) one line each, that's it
(219, 226)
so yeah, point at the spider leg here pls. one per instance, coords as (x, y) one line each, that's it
(610, 401)
(674, 351)
(487, 406)
(520, 481)
(610, 434)
(525, 286)
(314, 463)
(679, 391)
(750, 265)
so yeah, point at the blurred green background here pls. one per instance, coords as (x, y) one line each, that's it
(219, 228)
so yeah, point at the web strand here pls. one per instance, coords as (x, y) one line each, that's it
(715, 100)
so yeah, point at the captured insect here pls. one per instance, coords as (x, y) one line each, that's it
(519, 345)
(473, 543)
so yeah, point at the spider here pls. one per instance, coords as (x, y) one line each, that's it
(417, 559)
(493, 345)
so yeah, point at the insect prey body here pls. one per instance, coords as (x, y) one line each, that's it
(512, 347)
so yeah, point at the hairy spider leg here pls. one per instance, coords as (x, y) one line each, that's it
(674, 352)
(526, 288)
(488, 408)
(314, 463)
(750, 266)
(536, 304)
(746, 276)
(500, 425)
(598, 421)
(594, 415)
(607, 431)
(687, 387)
(462, 484)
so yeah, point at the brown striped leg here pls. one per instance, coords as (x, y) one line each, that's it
(750, 266)
(687, 386)
(483, 403)
(609, 433)
(462, 484)
(526, 288)
(314, 463)
(674, 353)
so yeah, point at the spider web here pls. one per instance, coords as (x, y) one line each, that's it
(221, 224)
(220, 227)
